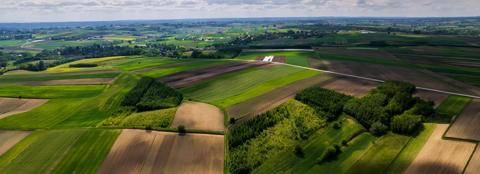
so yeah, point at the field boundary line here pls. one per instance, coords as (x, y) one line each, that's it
(380, 81)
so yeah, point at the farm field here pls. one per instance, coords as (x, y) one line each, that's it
(199, 116)
(138, 151)
(46, 77)
(11, 106)
(267, 101)
(435, 97)
(157, 73)
(474, 163)
(350, 86)
(50, 92)
(223, 91)
(59, 151)
(452, 156)
(466, 123)
(300, 58)
(9, 138)
(450, 108)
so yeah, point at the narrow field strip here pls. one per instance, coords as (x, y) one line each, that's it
(224, 90)
(12, 106)
(466, 125)
(450, 156)
(184, 67)
(199, 116)
(49, 92)
(9, 138)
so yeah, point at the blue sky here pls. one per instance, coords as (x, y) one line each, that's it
(85, 10)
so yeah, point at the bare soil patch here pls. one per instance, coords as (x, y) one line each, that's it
(350, 86)
(474, 164)
(420, 78)
(441, 156)
(188, 78)
(436, 97)
(199, 116)
(139, 151)
(87, 81)
(272, 99)
(9, 138)
(466, 125)
(11, 106)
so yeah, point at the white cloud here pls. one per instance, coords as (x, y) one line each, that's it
(73, 10)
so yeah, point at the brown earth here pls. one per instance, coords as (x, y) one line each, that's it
(272, 99)
(188, 78)
(12, 106)
(441, 156)
(466, 125)
(9, 138)
(356, 52)
(351, 86)
(474, 164)
(199, 116)
(87, 81)
(279, 59)
(420, 78)
(436, 97)
(139, 151)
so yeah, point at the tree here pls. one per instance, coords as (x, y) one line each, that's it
(378, 129)
(406, 123)
(298, 151)
(181, 129)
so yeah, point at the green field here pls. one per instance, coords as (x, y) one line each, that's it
(183, 67)
(73, 112)
(450, 108)
(59, 151)
(300, 58)
(8, 79)
(228, 89)
(313, 148)
(136, 63)
(380, 155)
(64, 91)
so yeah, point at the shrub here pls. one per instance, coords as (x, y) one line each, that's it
(298, 150)
(378, 129)
(344, 143)
(83, 65)
(330, 153)
(406, 123)
(181, 129)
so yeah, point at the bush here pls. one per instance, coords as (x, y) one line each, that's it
(298, 151)
(83, 65)
(324, 100)
(406, 123)
(330, 153)
(181, 129)
(378, 129)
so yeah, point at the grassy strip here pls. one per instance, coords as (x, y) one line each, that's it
(45, 77)
(64, 91)
(88, 152)
(184, 67)
(313, 148)
(348, 157)
(379, 157)
(450, 108)
(410, 151)
(232, 88)
(142, 62)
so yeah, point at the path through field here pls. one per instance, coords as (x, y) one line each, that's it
(441, 156)
(199, 116)
(139, 151)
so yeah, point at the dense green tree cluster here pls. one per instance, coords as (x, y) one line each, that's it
(149, 94)
(83, 65)
(252, 128)
(390, 105)
(327, 102)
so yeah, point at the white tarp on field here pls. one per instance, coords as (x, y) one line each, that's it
(268, 58)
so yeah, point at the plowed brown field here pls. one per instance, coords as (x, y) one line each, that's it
(11, 106)
(139, 151)
(474, 164)
(351, 86)
(9, 138)
(466, 125)
(200, 116)
(441, 156)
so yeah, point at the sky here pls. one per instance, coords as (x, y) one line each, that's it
(104, 10)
